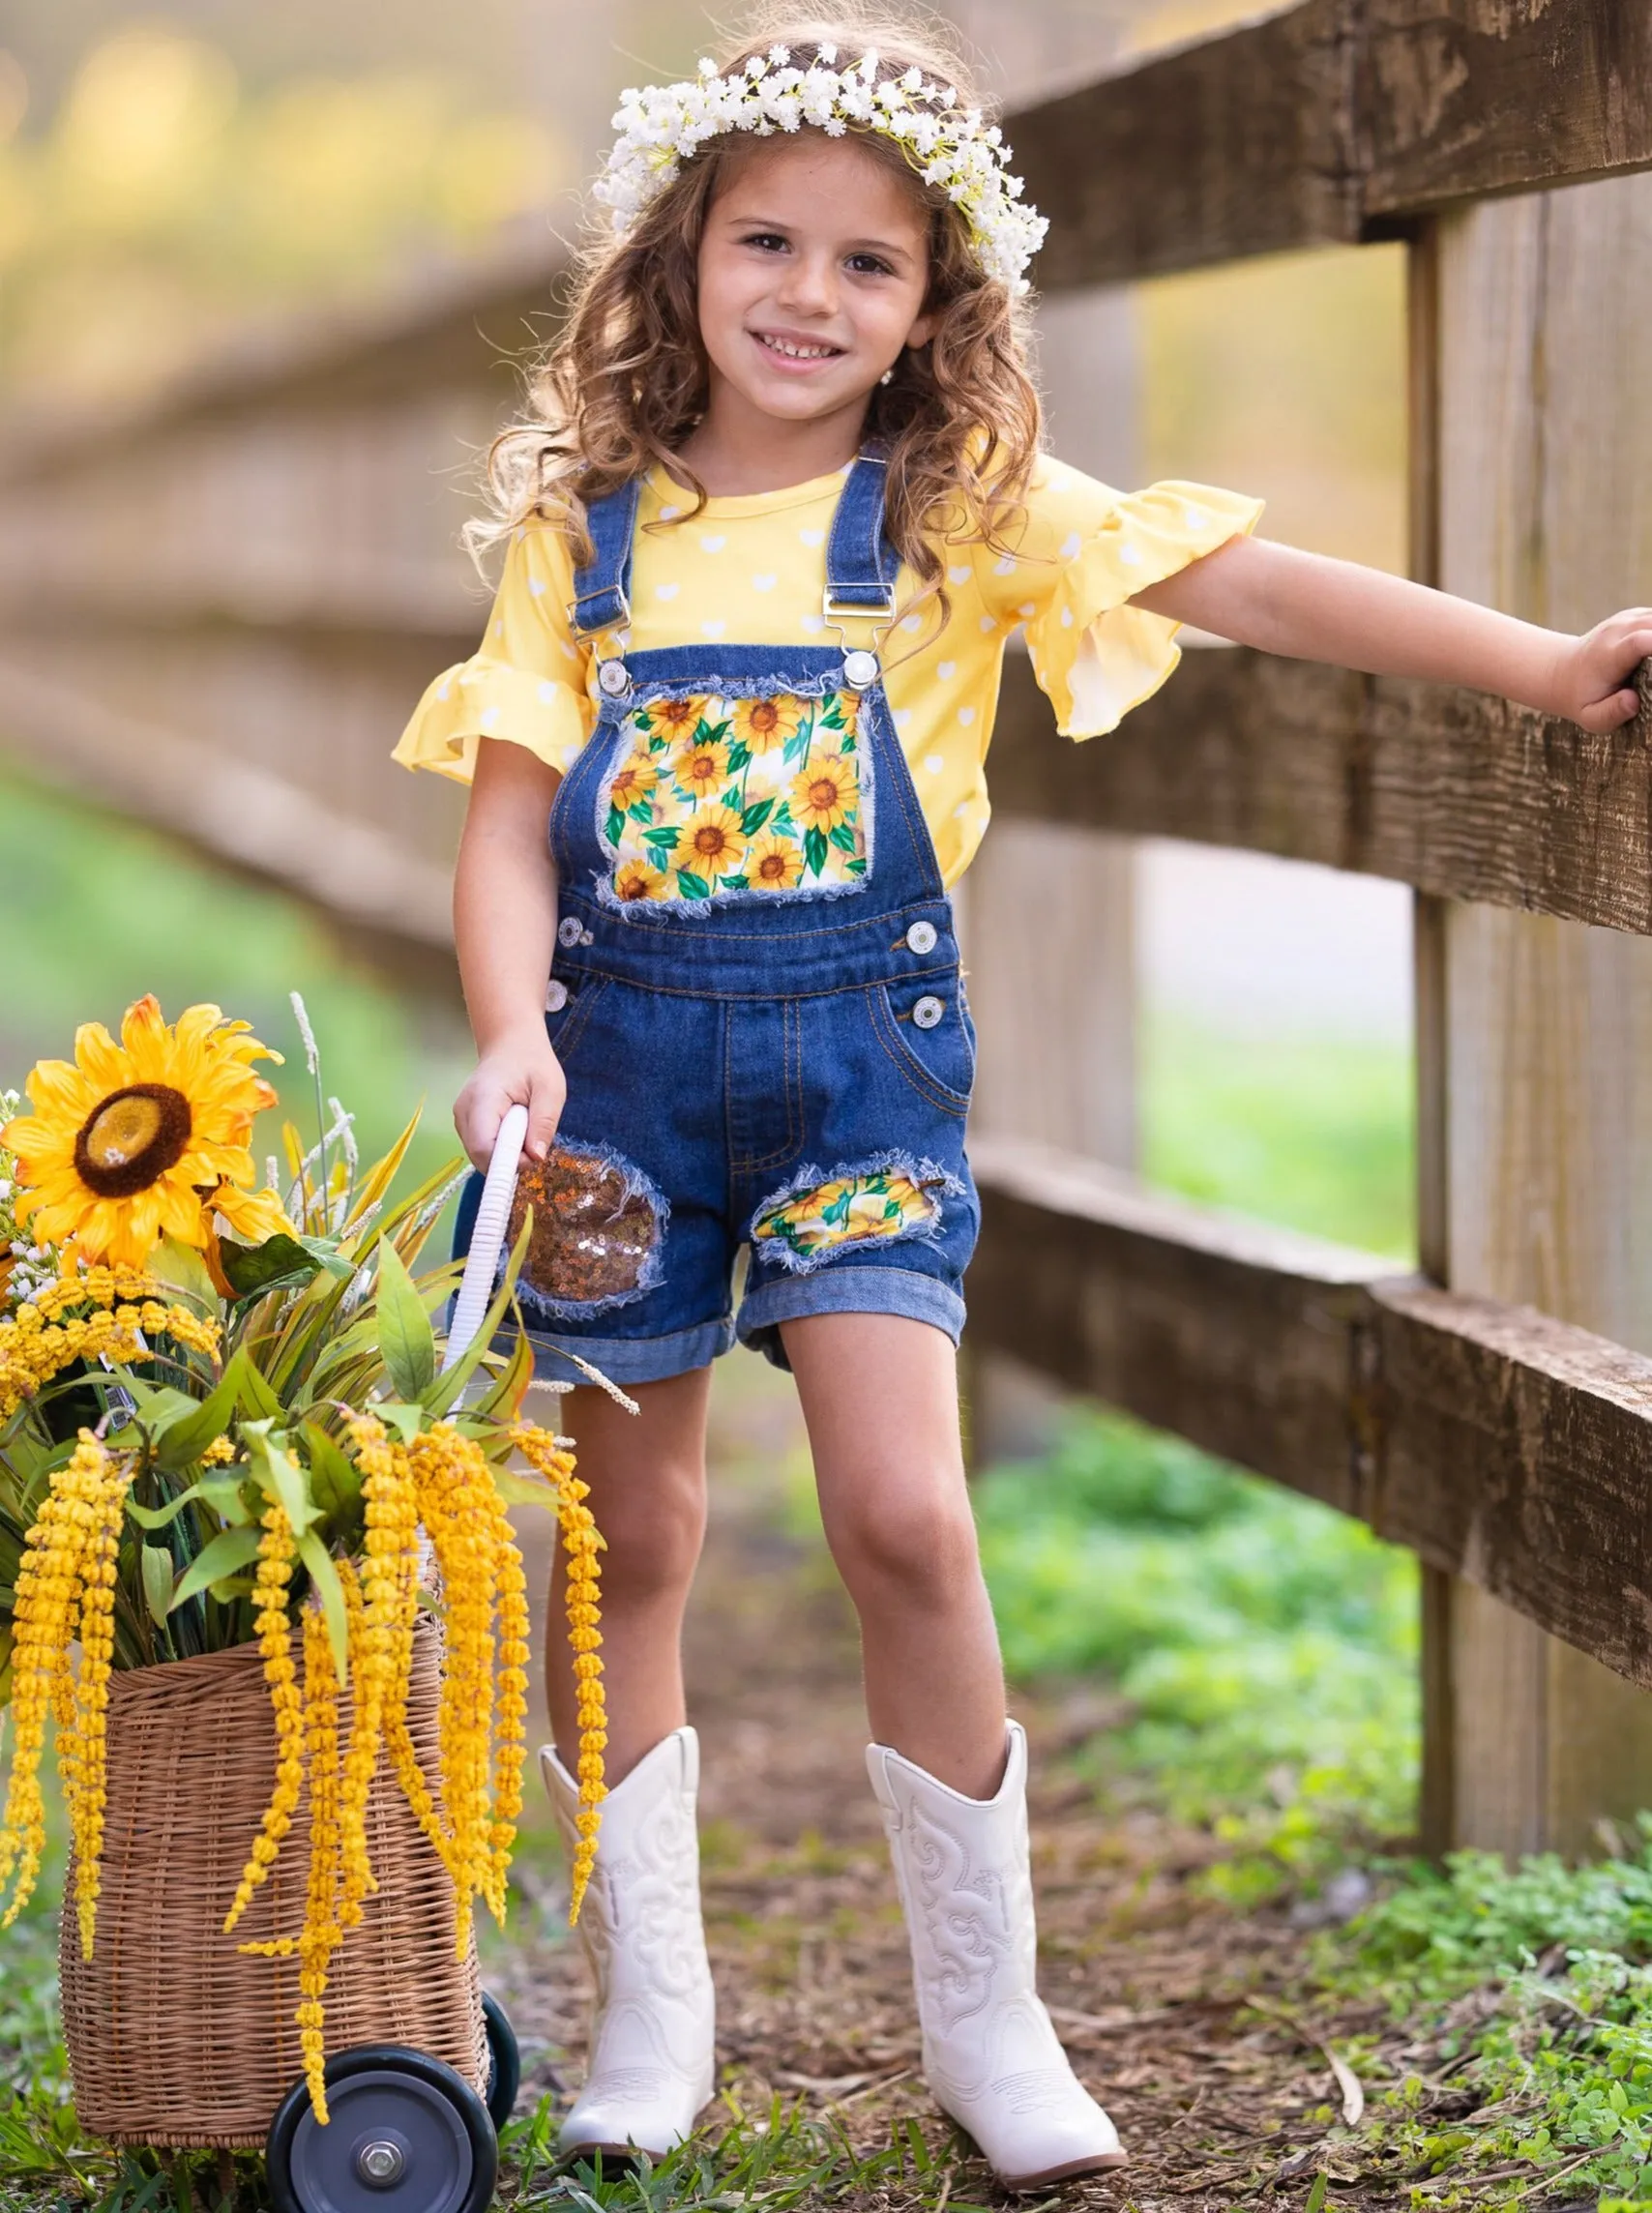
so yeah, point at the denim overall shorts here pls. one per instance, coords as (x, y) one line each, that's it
(756, 995)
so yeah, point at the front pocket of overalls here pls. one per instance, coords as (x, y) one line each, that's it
(711, 799)
(937, 1060)
(567, 1026)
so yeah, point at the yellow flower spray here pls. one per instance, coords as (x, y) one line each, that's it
(65, 1594)
(552, 1458)
(36, 1344)
(443, 1481)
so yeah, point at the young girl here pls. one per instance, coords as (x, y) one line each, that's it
(779, 514)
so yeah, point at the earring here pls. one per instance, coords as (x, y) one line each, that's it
(888, 376)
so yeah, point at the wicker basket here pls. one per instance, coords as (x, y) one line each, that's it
(174, 2036)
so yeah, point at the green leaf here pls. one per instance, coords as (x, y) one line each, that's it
(335, 1479)
(405, 1420)
(856, 867)
(185, 1434)
(448, 1387)
(278, 1474)
(158, 1583)
(181, 1268)
(255, 1395)
(253, 1269)
(1316, 2196)
(814, 850)
(692, 885)
(662, 836)
(614, 824)
(221, 1493)
(226, 1555)
(845, 837)
(783, 817)
(406, 1339)
(326, 1253)
(518, 1490)
(331, 1592)
(739, 756)
(756, 815)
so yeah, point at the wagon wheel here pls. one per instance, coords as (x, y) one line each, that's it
(405, 2135)
(503, 2062)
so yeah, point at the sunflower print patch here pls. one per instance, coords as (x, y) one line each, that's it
(847, 1210)
(717, 797)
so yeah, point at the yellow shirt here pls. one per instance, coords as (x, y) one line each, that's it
(751, 570)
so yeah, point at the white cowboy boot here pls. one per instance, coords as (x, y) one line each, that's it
(991, 2058)
(652, 2061)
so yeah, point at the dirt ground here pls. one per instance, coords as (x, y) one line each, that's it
(1155, 1991)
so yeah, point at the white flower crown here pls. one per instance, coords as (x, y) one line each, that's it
(661, 125)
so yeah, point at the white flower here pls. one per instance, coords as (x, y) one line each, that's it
(659, 127)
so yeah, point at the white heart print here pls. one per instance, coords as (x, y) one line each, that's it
(714, 543)
(813, 536)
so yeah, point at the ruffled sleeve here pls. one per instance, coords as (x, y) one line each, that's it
(527, 681)
(1094, 654)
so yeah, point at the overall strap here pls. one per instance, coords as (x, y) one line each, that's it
(602, 589)
(861, 564)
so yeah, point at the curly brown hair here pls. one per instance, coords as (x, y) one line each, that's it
(627, 376)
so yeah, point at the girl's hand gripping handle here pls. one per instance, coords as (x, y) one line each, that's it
(488, 1238)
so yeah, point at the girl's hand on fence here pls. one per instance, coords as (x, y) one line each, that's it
(1598, 674)
(516, 1070)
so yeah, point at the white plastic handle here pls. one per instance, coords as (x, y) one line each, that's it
(488, 1238)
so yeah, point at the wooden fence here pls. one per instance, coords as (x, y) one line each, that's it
(215, 614)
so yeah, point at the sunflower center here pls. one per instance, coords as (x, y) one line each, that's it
(765, 716)
(711, 840)
(823, 792)
(131, 1138)
(771, 865)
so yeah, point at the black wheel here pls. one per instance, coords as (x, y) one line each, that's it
(503, 2062)
(406, 2134)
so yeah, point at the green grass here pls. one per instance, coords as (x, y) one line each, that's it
(1266, 1646)
(1534, 1986)
(1318, 1134)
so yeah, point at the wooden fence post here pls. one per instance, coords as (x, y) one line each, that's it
(1050, 912)
(1535, 1035)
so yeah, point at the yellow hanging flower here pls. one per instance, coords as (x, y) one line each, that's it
(144, 1137)
(65, 1592)
(274, 1641)
(581, 1542)
(322, 1932)
(385, 1632)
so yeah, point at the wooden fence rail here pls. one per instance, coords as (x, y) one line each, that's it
(1493, 1441)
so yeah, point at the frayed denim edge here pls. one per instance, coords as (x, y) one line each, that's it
(925, 1174)
(651, 1274)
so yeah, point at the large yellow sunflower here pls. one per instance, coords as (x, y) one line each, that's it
(633, 781)
(774, 864)
(711, 842)
(762, 725)
(144, 1137)
(825, 792)
(701, 766)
